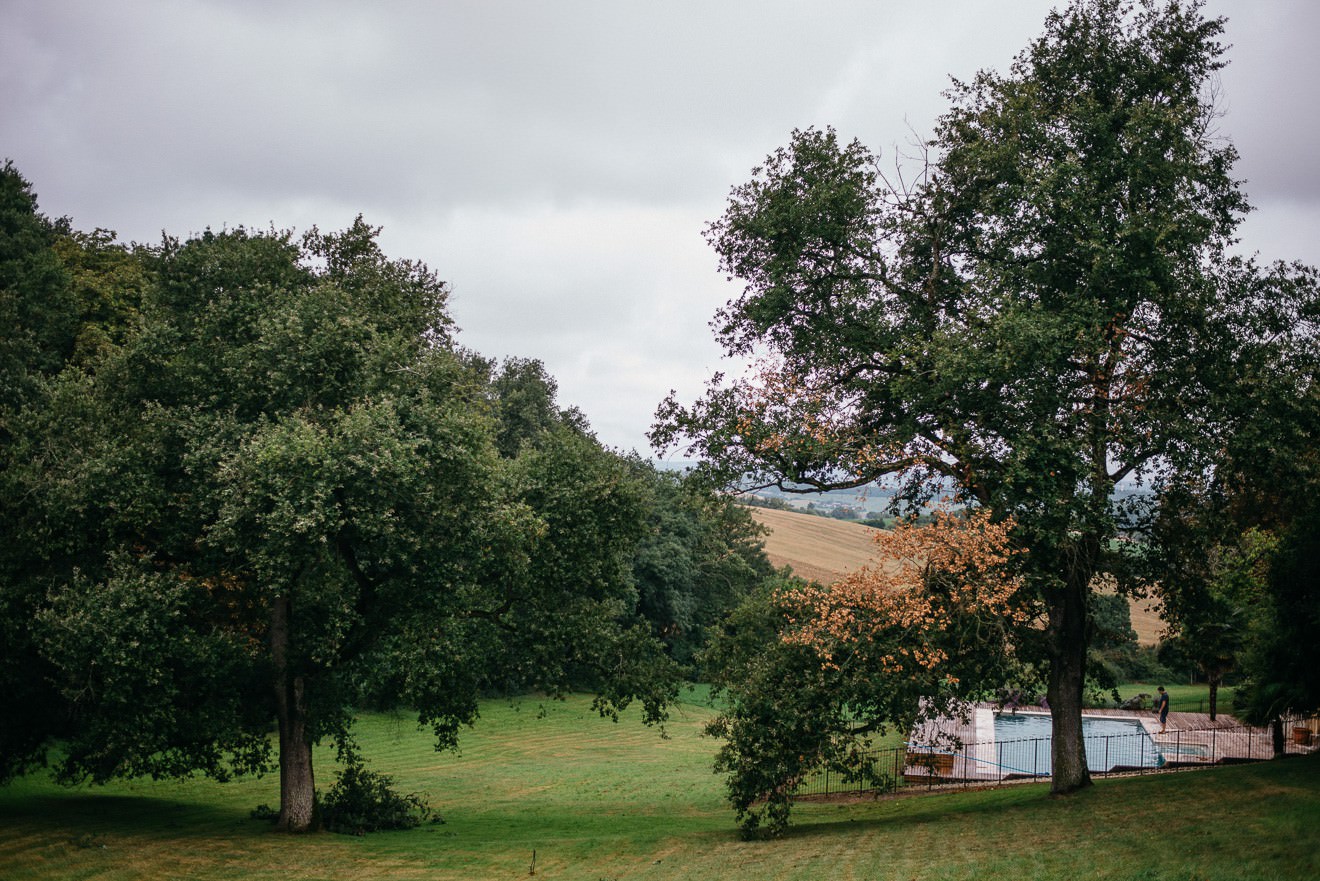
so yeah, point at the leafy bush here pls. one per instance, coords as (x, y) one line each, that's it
(1134, 663)
(363, 801)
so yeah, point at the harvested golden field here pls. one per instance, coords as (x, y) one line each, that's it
(1146, 620)
(822, 549)
(817, 548)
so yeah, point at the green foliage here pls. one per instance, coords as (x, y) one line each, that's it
(160, 690)
(1224, 556)
(789, 713)
(1136, 663)
(283, 495)
(525, 406)
(37, 323)
(1234, 559)
(573, 618)
(275, 437)
(1216, 601)
(363, 801)
(689, 553)
(774, 503)
(1114, 655)
(1111, 620)
(1280, 676)
(107, 280)
(38, 311)
(1044, 308)
(701, 556)
(53, 317)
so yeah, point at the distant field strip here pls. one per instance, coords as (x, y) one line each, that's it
(823, 549)
(817, 548)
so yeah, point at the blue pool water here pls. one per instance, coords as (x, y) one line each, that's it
(1022, 743)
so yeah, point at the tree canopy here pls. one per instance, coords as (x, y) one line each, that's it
(65, 297)
(1046, 305)
(811, 672)
(282, 492)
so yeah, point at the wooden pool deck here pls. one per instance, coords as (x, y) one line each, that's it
(1189, 740)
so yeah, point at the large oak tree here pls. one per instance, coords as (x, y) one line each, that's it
(1043, 308)
(283, 496)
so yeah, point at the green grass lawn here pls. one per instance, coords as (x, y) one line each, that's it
(1182, 698)
(596, 800)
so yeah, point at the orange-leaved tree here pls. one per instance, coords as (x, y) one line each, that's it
(811, 673)
(904, 615)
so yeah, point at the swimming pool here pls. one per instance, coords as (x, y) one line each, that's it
(1186, 751)
(1022, 744)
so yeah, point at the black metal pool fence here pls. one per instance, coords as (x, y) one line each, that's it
(980, 764)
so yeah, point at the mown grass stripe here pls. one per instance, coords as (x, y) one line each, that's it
(599, 800)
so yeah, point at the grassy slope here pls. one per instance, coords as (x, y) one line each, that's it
(597, 800)
(823, 549)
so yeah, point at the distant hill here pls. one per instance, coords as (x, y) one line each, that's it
(823, 549)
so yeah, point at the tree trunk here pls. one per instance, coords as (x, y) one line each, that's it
(1276, 732)
(297, 784)
(1067, 645)
(1214, 696)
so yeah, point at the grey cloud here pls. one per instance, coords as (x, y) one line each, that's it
(1272, 110)
(555, 161)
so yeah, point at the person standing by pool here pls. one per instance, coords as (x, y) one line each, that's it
(1162, 706)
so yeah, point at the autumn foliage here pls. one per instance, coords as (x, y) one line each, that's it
(811, 673)
(930, 580)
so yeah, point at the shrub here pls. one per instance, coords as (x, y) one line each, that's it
(363, 801)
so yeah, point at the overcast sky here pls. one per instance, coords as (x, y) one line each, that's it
(554, 161)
